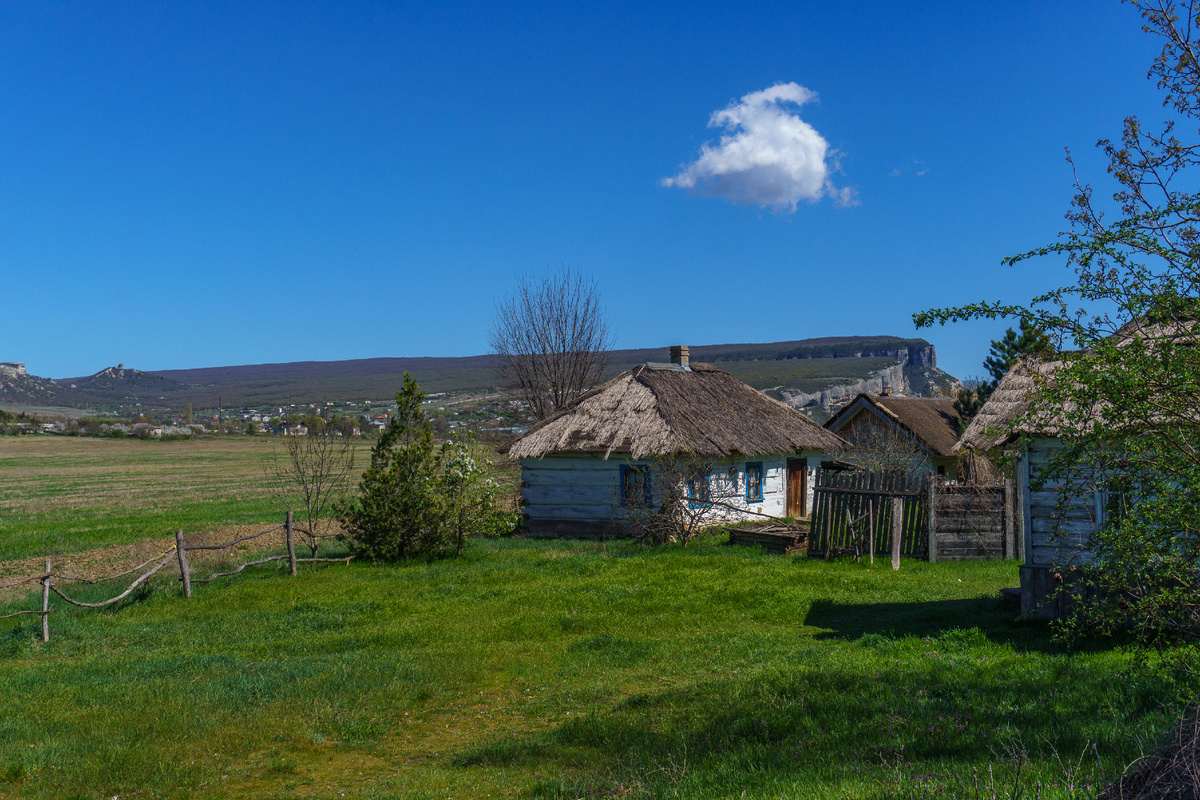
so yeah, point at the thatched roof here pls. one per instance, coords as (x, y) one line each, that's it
(665, 409)
(1003, 417)
(996, 424)
(931, 422)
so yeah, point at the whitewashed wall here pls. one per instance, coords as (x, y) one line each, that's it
(580, 494)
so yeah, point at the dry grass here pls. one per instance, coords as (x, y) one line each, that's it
(41, 473)
(67, 494)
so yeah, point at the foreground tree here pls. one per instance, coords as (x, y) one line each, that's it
(1126, 403)
(551, 340)
(416, 499)
(397, 511)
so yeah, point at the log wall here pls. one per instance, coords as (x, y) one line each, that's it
(1058, 523)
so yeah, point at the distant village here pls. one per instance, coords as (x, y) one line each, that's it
(488, 417)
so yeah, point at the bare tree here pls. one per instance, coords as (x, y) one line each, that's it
(551, 340)
(874, 446)
(675, 498)
(311, 474)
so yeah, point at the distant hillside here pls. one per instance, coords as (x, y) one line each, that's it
(803, 372)
(17, 386)
(120, 385)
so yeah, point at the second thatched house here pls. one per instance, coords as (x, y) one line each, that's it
(912, 434)
(587, 465)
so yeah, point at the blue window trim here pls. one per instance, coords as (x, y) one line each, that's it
(705, 500)
(761, 479)
(643, 468)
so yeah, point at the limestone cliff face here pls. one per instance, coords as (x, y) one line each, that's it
(915, 375)
(915, 356)
(892, 378)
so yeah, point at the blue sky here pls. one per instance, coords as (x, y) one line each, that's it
(204, 184)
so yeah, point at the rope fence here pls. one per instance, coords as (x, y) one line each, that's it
(178, 552)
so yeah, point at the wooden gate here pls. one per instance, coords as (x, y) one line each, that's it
(854, 512)
(969, 522)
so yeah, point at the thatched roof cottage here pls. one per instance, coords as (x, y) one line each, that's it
(916, 433)
(583, 466)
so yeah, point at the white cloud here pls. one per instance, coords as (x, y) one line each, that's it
(768, 155)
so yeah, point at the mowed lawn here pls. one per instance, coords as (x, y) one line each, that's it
(61, 494)
(567, 670)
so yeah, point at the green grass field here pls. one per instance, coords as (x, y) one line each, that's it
(527, 669)
(566, 670)
(62, 494)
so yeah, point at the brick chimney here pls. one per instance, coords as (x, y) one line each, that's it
(679, 354)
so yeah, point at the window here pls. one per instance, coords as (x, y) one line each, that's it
(754, 482)
(698, 491)
(1112, 505)
(635, 485)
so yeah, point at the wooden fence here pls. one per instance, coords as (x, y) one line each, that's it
(967, 522)
(861, 513)
(178, 553)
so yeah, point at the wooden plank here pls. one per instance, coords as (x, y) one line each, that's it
(547, 511)
(897, 530)
(571, 477)
(571, 495)
(1010, 550)
(841, 490)
(933, 554)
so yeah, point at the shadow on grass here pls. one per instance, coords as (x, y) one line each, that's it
(818, 724)
(912, 689)
(998, 621)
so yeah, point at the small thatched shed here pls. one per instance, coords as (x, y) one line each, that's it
(584, 464)
(919, 432)
(1055, 523)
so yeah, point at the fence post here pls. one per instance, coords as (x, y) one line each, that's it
(897, 529)
(183, 565)
(870, 530)
(291, 546)
(46, 604)
(933, 521)
(1010, 530)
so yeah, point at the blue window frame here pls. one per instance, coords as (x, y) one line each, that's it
(699, 491)
(754, 482)
(635, 485)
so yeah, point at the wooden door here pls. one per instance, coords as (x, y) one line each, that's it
(797, 487)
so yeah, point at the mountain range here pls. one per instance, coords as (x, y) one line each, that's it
(803, 372)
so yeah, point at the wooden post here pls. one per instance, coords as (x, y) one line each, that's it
(291, 546)
(850, 538)
(1010, 530)
(897, 529)
(871, 531)
(933, 521)
(46, 604)
(184, 575)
